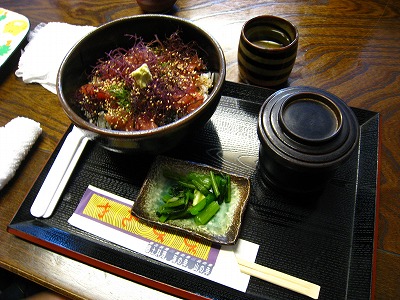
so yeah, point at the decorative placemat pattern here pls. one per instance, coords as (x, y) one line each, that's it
(109, 216)
(117, 214)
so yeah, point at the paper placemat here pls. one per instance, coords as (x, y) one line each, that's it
(109, 216)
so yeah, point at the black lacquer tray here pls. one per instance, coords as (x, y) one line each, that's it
(327, 239)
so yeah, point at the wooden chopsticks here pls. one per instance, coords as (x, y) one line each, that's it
(284, 280)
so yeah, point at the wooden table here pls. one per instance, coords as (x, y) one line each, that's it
(350, 48)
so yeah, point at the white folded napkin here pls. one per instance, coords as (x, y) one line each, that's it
(16, 139)
(47, 47)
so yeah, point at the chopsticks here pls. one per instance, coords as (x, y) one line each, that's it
(284, 280)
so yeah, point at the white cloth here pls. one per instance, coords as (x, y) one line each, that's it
(16, 139)
(48, 44)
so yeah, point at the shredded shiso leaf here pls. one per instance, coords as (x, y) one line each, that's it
(147, 86)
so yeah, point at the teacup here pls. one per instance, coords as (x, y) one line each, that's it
(267, 50)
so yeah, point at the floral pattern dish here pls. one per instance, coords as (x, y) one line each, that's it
(13, 29)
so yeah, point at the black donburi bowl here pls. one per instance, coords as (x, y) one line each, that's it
(79, 62)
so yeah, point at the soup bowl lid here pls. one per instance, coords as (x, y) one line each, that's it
(306, 125)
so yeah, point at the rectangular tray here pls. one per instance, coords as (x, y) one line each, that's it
(328, 241)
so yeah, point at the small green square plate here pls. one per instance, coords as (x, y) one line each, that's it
(223, 228)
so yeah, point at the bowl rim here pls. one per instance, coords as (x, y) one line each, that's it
(141, 134)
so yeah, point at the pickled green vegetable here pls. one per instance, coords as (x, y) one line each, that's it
(197, 196)
(206, 214)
